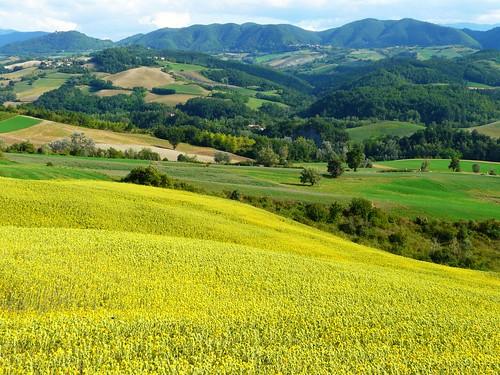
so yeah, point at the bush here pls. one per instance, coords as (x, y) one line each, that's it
(24, 147)
(148, 154)
(186, 158)
(335, 168)
(235, 195)
(476, 168)
(50, 164)
(267, 157)
(310, 176)
(362, 208)
(454, 164)
(222, 158)
(149, 176)
(316, 212)
(163, 91)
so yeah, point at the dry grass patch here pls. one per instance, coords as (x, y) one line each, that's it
(146, 77)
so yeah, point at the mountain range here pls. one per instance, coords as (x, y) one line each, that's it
(251, 37)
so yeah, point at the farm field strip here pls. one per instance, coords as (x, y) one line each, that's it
(443, 195)
(16, 123)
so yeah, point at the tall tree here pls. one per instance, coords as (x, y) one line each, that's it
(355, 157)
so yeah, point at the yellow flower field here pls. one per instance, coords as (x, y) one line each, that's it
(99, 277)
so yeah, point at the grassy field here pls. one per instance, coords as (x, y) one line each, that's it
(437, 194)
(16, 123)
(115, 278)
(177, 67)
(28, 93)
(441, 165)
(380, 129)
(146, 77)
(187, 89)
(492, 130)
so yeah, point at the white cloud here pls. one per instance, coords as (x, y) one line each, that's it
(121, 18)
(492, 16)
(167, 19)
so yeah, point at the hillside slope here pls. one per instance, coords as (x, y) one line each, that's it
(489, 39)
(11, 36)
(65, 41)
(48, 131)
(107, 277)
(226, 37)
(372, 33)
(250, 37)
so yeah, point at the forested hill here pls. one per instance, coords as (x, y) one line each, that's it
(434, 91)
(368, 33)
(251, 37)
(69, 41)
(11, 36)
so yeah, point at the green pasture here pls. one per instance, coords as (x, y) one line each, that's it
(17, 123)
(437, 194)
(384, 128)
(441, 165)
(187, 89)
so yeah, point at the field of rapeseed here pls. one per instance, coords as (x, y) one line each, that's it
(115, 278)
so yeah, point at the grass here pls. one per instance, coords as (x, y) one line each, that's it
(441, 165)
(186, 89)
(438, 194)
(178, 67)
(15, 123)
(146, 77)
(381, 129)
(102, 277)
(491, 130)
(256, 103)
(26, 92)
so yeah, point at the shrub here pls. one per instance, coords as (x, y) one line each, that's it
(235, 195)
(454, 164)
(267, 157)
(310, 176)
(362, 208)
(425, 166)
(222, 157)
(335, 168)
(334, 212)
(148, 154)
(476, 168)
(186, 158)
(149, 176)
(163, 91)
(316, 212)
(23, 147)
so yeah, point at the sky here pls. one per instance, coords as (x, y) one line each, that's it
(116, 19)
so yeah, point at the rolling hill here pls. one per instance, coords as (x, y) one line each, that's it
(372, 33)
(250, 37)
(488, 39)
(39, 132)
(492, 130)
(68, 41)
(226, 37)
(11, 36)
(121, 278)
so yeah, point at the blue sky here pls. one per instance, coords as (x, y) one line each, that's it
(116, 19)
